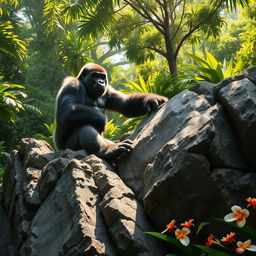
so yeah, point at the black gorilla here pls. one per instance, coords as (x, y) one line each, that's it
(80, 107)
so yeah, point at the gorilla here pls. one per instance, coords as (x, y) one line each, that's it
(80, 112)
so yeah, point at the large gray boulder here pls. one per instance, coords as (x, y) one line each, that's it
(193, 158)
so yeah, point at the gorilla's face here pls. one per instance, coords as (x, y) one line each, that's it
(96, 84)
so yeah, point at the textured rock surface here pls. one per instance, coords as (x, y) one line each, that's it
(193, 158)
(72, 206)
(187, 122)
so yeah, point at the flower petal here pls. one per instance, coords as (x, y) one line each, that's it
(230, 217)
(239, 250)
(177, 231)
(246, 213)
(248, 242)
(185, 241)
(241, 222)
(186, 231)
(236, 208)
(252, 248)
(239, 243)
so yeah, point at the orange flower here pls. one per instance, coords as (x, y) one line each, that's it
(239, 215)
(170, 227)
(251, 201)
(188, 224)
(210, 240)
(182, 235)
(229, 238)
(241, 247)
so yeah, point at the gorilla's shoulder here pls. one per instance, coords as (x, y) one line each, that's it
(71, 81)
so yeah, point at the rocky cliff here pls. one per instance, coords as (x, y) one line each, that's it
(193, 158)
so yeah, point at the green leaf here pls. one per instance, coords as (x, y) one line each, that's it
(32, 108)
(143, 84)
(211, 74)
(6, 86)
(202, 225)
(134, 86)
(232, 4)
(199, 60)
(10, 43)
(219, 72)
(251, 232)
(188, 250)
(211, 60)
(211, 251)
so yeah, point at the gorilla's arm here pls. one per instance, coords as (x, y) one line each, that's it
(94, 143)
(73, 113)
(133, 105)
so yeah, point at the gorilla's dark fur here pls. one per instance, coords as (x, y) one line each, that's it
(80, 107)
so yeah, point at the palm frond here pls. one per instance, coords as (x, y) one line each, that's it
(32, 109)
(72, 11)
(10, 43)
(233, 4)
(97, 19)
(51, 15)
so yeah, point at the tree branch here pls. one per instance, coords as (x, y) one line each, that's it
(161, 52)
(196, 27)
(145, 14)
(181, 20)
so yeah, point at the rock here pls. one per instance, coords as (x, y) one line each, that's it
(73, 207)
(233, 185)
(7, 244)
(187, 122)
(174, 182)
(13, 195)
(37, 153)
(31, 190)
(69, 222)
(239, 100)
(71, 154)
(250, 73)
(205, 89)
(50, 175)
(123, 214)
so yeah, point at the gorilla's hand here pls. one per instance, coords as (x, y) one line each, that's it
(153, 101)
(118, 151)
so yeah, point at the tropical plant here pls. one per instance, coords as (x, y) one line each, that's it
(111, 130)
(10, 103)
(213, 246)
(211, 70)
(247, 51)
(50, 130)
(75, 52)
(4, 5)
(9, 42)
(158, 82)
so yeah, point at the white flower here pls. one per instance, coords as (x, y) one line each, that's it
(239, 215)
(182, 236)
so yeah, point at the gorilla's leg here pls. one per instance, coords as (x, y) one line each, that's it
(89, 139)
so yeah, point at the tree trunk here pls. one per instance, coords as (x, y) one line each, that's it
(172, 65)
(170, 56)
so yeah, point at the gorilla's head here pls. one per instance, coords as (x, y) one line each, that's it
(94, 77)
